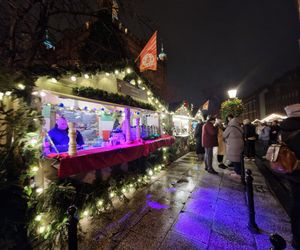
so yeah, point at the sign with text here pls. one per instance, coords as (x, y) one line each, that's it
(131, 90)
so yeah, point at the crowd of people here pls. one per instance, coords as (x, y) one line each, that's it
(237, 141)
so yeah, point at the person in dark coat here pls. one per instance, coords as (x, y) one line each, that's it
(249, 137)
(209, 141)
(290, 134)
(274, 132)
(198, 137)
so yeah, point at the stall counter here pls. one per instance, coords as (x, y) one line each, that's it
(97, 158)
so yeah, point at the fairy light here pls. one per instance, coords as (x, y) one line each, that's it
(73, 78)
(123, 190)
(112, 195)
(150, 172)
(42, 94)
(8, 93)
(100, 203)
(41, 229)
(128, 70)
(39, 190)
(107, 74)
(33, 142)
(53, 80)
(34, 169)
(148, 92)
(21, 86)
(35, 93)
(38, 217)
(139, 179)
(1, 96)
(86, 213)
(86, 76)
(117, 72)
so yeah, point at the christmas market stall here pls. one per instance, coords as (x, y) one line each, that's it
(182, 128)
(107, 121)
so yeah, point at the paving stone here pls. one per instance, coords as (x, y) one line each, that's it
(202, 207)
(193, 227)
(134, 241)
(177, 241)
(218, 241)
(206, 193)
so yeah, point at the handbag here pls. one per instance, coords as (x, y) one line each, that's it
(282, 159)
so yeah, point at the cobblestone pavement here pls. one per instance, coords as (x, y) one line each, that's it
(187, 208)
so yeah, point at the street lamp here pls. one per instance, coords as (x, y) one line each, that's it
(232, 93)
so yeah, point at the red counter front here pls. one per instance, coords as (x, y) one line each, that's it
(97, 158)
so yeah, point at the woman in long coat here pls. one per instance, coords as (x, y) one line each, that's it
(221, 144)
(234, 140)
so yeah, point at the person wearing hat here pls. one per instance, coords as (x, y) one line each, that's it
(290, 134)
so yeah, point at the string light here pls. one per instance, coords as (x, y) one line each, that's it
(1, 96)
(38, 217)
(128, 70)
(42, 94)
(39, 190)
(41, 229)
(107, 74)
(117, 72)
(86, 76)
(8, 93)
(73, 78)
(34, 169)
(53, 80)
(100, 203)
(21, 86)
(86, 213)
(112, 195)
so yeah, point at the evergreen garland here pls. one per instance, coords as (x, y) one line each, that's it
(102, 95)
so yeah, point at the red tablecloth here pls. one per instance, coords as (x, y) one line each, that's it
(97, 158)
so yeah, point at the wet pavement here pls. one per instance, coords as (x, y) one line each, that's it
(184, 207)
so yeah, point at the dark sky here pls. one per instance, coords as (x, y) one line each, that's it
(213, 45)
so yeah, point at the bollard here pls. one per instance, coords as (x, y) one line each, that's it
(250, 201)
(243, 169)
(72, 228)
(277, 241)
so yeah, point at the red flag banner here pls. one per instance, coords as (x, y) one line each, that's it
(148, 56)
(205, 105)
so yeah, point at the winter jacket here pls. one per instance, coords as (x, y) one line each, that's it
(233, 136)
(209, 135)
(249, 132)
(265, 133)
(287, 127)
(198, 138)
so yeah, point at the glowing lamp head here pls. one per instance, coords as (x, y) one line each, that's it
(232, 93)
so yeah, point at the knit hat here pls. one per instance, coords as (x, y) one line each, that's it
(293, 110)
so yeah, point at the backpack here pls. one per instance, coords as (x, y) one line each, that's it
(282, 158)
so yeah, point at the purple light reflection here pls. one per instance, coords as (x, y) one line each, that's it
(170, 190)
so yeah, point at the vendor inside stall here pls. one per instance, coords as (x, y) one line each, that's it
(57, 138)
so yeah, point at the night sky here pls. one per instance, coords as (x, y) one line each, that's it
(214, 45)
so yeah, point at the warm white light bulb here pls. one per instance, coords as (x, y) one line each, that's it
(73, 78)
(86, 76)
(21, 86)
(42, 94)
(53, 80)
(39, 190)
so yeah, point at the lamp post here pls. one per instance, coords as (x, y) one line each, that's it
(232, 93)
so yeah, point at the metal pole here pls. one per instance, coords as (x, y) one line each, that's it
(72, 228)
(250, 201)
